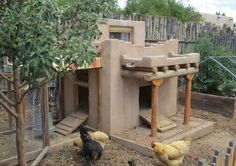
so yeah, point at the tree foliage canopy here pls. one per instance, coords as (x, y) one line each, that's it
(162, 8)
(44, 38)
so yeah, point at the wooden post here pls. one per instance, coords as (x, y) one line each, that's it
(62, 98)
(76, 97)
(45, 116)
(188, 90)
(155, 89)
(99, 99)
(9, 115)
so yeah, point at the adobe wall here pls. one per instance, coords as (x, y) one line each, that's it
(120, 96)
(138, 28)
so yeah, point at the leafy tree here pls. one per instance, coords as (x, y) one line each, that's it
(42, 39)
(212, 78)
(162, 8)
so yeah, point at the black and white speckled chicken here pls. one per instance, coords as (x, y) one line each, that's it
(91, 149)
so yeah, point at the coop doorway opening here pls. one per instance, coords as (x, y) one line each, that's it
(145, 98)
(82, 92)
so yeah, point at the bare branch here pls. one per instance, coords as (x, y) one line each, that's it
(5, 77)
(42, 83)
(8, 109)
(4, 97)
(23, 85)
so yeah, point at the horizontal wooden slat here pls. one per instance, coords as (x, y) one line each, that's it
(63, 127)
(61, 131)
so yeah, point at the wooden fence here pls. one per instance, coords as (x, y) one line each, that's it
(219, 104)
(160, 28)
(221, 158)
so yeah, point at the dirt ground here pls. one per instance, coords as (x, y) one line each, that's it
(118, 155)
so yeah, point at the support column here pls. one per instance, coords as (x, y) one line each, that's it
(188, 90)
(155, 89)
(45, 110)
(99, 99)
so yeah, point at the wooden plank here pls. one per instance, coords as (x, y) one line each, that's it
(61, 131)
(13, 160)
(218, 158)
(211, 103)
(79, 115)
(40, 156)
(163, 123)
(70, 123)
(63, 127)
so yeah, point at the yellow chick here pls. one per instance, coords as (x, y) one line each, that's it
(78, 142)
(98, 136)
(172, 154)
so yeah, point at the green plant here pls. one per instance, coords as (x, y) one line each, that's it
(213, 78)
(42, 39)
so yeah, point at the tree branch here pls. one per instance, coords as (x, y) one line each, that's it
(5, 77)
(41, 83)
(23, 85)
(8, 109)
(4, 97)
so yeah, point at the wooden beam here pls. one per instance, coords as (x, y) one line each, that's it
(62, 97)
(13, 160)
(8, 109)
(149, 76)
(40, 156)
(45, 116)
(188, 90)
(99, 99)
(155, 89)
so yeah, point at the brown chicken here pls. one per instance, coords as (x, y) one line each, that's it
(172, 154)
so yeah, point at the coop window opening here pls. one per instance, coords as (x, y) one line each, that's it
(121, 33)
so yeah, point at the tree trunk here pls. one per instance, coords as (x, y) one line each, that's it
(20, 120)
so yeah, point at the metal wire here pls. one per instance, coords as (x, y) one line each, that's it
(232, 60)
(225, 68)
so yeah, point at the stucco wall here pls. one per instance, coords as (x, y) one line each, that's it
(218, 20)
(138, 27)
(121, 95)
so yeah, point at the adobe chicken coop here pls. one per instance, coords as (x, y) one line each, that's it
(130, 84)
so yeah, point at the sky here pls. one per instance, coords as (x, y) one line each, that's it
(207, 6)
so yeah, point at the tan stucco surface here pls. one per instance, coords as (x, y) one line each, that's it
(120, 95)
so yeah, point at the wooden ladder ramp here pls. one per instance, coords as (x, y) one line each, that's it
(71, 122)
